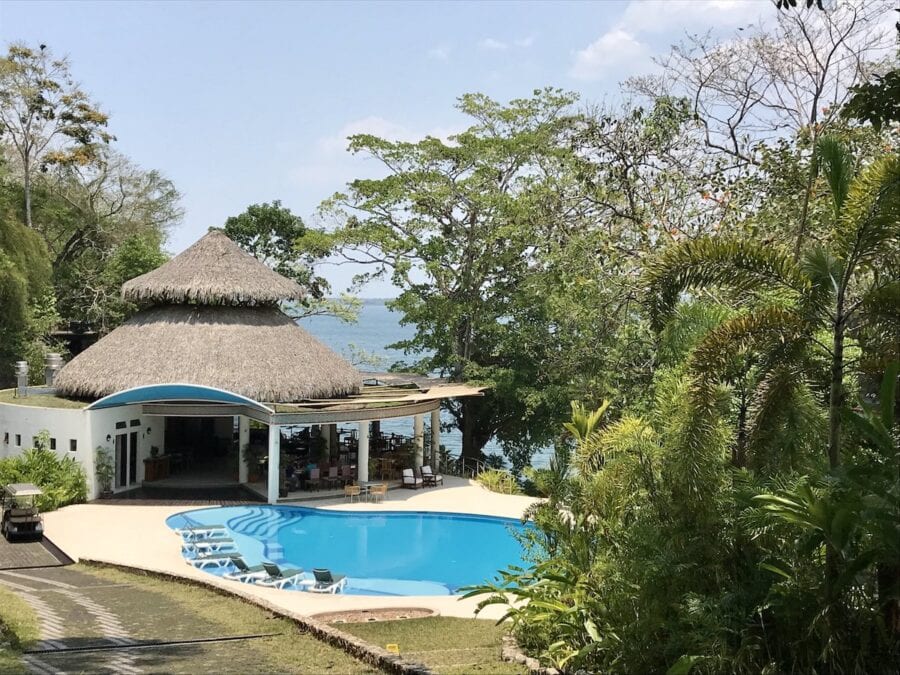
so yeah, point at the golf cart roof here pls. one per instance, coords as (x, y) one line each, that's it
(23, 490)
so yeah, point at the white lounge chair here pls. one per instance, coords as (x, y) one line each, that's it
(279, 578)
(326, 582)
(245, 573)
(211, 560)
(214, 545)
(431, 478)
(202, 532)
(410, 480)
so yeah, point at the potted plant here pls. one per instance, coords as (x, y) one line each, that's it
(105, 470)
(253, 454)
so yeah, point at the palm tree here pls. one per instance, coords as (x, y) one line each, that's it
(794, 312)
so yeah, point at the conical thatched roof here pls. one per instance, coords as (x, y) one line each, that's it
(257, 352)
(214, 271)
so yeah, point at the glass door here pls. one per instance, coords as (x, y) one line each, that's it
(132, 457)
(121, 460)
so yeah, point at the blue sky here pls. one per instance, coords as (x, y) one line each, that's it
(241, 103)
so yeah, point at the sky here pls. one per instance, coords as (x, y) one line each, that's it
(246, 102)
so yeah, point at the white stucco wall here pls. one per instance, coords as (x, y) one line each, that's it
(63, 424)
(88, 428)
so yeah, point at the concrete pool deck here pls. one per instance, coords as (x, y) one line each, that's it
(137, 536)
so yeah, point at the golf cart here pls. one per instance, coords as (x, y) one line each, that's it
(20, 513)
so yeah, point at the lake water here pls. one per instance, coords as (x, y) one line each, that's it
(377, 328)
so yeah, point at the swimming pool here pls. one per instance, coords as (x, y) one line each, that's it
(381, 552)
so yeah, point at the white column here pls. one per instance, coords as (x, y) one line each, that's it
(243, 444)
(419, 439)
(274, 463)
(362, 452)
(435, 438)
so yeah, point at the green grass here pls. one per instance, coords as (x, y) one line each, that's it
(291, 651)
(446, 644)
(40, 400)
(18, 626)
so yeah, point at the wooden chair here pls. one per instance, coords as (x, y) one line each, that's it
(431, 478)
(351, 491)
(410, 480)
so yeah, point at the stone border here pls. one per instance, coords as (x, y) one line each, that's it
(364, 651)
(511, 652)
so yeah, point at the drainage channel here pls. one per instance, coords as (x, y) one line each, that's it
(147, 644)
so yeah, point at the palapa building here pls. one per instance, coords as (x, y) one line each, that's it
(209, 351)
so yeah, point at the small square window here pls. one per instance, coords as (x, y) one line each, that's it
(53, 444)
(18, 440)
(73, 445)
(6, 437)
(135, 423)
(120, 425)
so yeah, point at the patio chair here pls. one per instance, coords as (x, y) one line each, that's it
(326, 582)
(431, 478)
(211, 560)
(314, 481)
(279, 578)
(410, 480)
(377, 492)
(351, 491)
(332, 479)
(245, 573)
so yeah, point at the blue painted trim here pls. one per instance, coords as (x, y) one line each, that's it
(161, 393)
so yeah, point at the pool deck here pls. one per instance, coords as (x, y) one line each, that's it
(137, 536)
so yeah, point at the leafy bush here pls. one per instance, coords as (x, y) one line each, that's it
(497, 480)
(61, 478)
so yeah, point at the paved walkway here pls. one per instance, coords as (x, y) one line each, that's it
(91, 622)
(137, 536)
(28, 554)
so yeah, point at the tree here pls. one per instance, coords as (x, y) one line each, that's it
(281, 240)
(458, 225)
(45, 116)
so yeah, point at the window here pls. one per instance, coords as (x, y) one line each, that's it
(135, 423)
(73, 445)
(6, 438)
(120, 425)
(18, 440)
(53, 444)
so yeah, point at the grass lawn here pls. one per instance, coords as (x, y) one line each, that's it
(289, 652)
(40, 400)
(446, 644)
(18, 625)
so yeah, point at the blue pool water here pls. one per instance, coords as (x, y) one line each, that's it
(381, 553)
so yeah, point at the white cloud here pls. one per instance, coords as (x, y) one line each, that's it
(493, 44)
(625, 47)
(439, 53)
(607, 54)
(524, 42)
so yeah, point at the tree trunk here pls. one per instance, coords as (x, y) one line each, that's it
(469, 449)
(836, 389)
(26, 165)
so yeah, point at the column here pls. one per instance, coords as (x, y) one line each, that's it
(274, 463)
(243, 446)
(419, 439)
(362, 453)
(435, 439)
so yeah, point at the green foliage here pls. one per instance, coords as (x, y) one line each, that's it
(105, 467)
(498, 480)
(61, 478)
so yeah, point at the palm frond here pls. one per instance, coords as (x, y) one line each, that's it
(741, 265)
(870, 220)
(834, 160)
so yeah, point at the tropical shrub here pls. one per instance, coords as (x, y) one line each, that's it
(61, 478)
(498, 480)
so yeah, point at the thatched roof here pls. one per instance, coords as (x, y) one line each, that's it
(214, 271)
(257, 352)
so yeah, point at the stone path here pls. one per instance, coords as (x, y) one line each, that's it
(89, 625)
